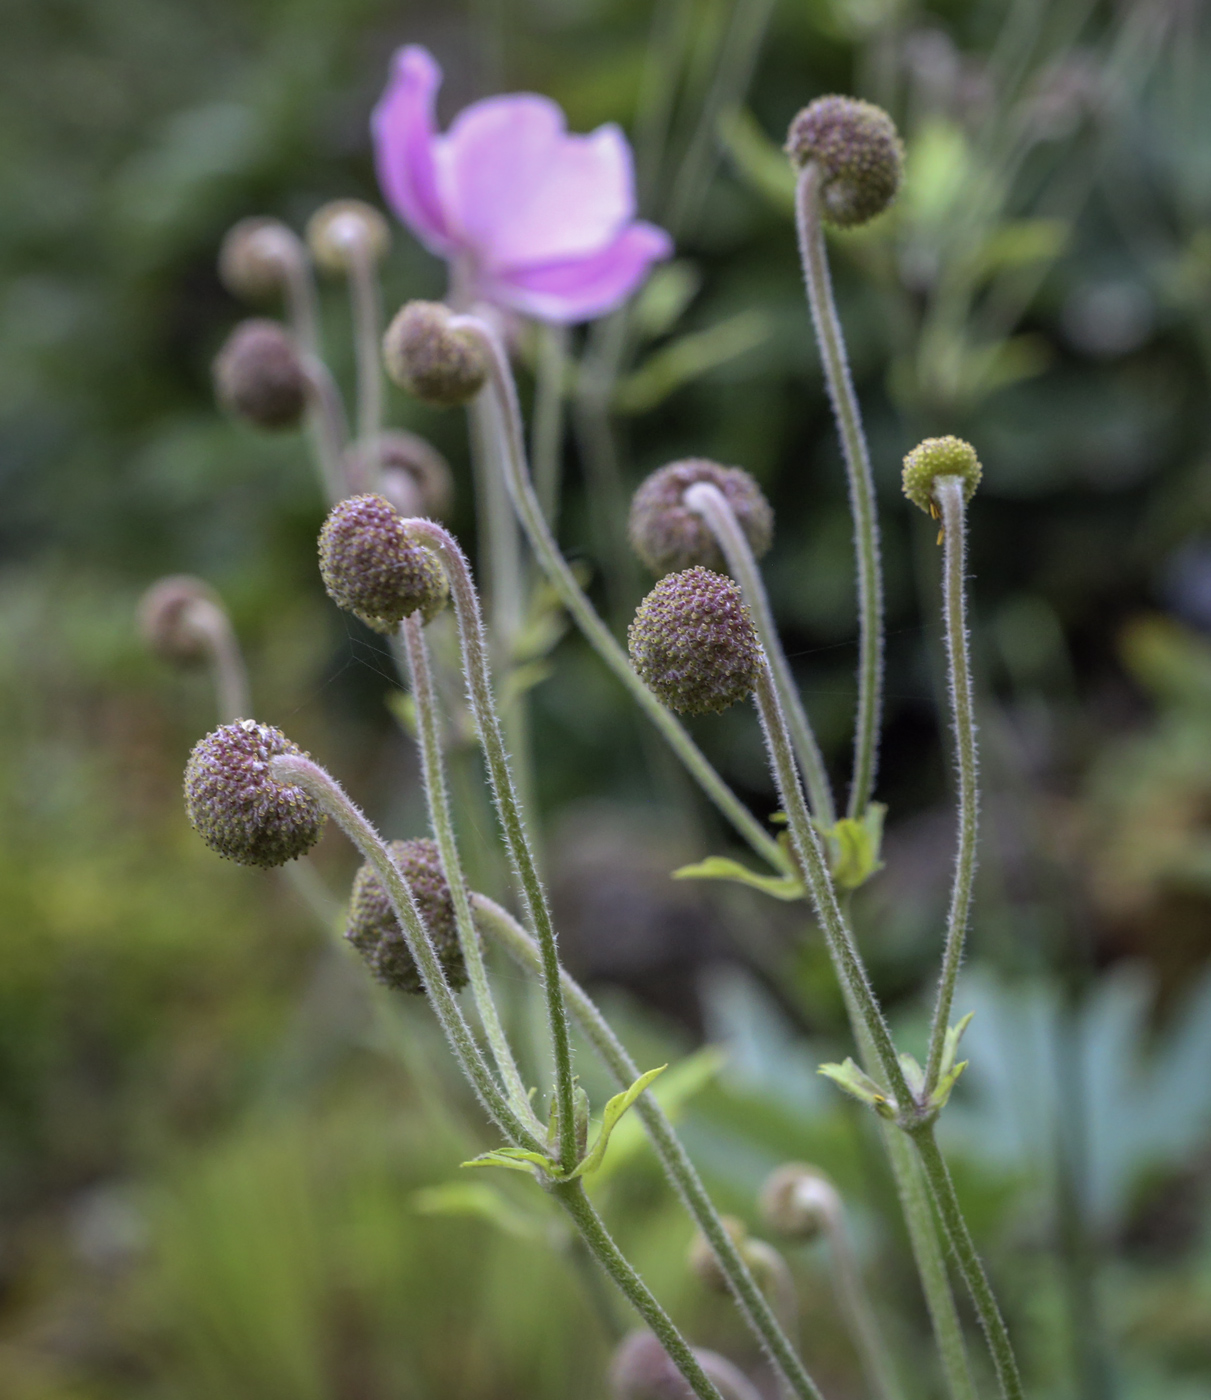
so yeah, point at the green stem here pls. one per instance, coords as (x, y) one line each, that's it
(709, 502)
(947, 1202)
(555, 567)
(755, 1308)
(479, 690)
(327, 427)
(547, 449)
(949, 493)
(814, 255)
(227, 669)
(366, 304)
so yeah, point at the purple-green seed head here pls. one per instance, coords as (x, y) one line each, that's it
(372, 567)
(258, 375)
(935, 457)
(859, 153)
(432, 360)
(238, 808)
(667, 535)
(693, 642)
(375, 932)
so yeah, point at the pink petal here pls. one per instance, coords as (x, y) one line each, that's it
(520, 190)
(581, 289)
(404, 137)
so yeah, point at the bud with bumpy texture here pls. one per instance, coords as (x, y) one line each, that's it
(337, 229)
(259, 376)
(858, 150)
(430, 359)
(375, 932)
(171, 619)
(372, 568)
(798, 1202)
(237, 808)
(935, 457)
(415, 477)
(693, 642)
(667, 535)
(256, 258)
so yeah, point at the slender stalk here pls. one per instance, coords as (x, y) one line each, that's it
(814, 255)
(553, 564)
(547, 443)
(858, 1309)
(499, 924)
(227, 669)
(332, 798)
(479, 690)
(947, 1202)
(440, 819)
(949, 493)
(592, 1229)
(712, 505)
(301, 300)
(327, 427)
(366, 302)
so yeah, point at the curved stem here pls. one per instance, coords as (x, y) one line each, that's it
(479, 690)
(547, 444)
(949, 493)
(227, 668)
(328, 429)
(366, 305)
(754, 1307)
(585, 615)
(712, 505)
(861, 486)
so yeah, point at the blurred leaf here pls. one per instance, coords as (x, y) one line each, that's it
(760, 162)
(786, 887)
(689, 358)
(614, 1110)
(665, 297)
(1169, 659)
(1021, 243)
(477, 1198)
(856, 1082)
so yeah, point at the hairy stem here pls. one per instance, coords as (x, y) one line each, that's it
(547, 449)
(858, 1310)
(814, 256)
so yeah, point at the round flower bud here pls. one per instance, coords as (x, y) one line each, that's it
(643, 1370)
(693, 642)
(414, 476)
(375, 932)
(667, 535)
(798, 1202)
(259, 376)
(944, 456)
(336, 229)
(256, 257)
(424, 355)
(701, 1257)
(858, 150)
(237, 808)
(172, 618)
(373, 569)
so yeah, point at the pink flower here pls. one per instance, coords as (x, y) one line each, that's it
(535, 219)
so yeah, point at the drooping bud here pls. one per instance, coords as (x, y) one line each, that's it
(338, 229)
(176, 618)
(375, 932)
(432, 360)
(701, 1258)
(238, 808)
(858, 150)
(798, 1202)
(256, 258)
(643, 1370)
(693, 642)
(667, 535)
(414, 476)
(259, 376)
(935, 457)
(372, 567)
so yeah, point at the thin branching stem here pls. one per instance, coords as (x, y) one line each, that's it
(547, 449)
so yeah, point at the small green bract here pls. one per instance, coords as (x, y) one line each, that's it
(935, 457)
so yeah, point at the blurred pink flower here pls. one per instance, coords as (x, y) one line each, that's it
(529, 217)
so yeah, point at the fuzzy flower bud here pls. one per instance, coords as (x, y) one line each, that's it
(701, 1258)
(424, 355)
(935, 457)
(858, 150)
(336, 230)
(643, 1370)
(693, 642)
(375, 932)
(258, 375)
(415, 477)
(667, 535)
(798, 1202)
(237, 808)
(176, 618)
(256, 258)
(373, 569)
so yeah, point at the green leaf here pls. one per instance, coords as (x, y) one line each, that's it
(856, 1081)
(759, 162)
(948, 1070)
(1021, 243)
(853, 847)
(476, 1198)
(516, 1159)
(721, 868)
(614, 1110)
(664, 298)
(689, 357)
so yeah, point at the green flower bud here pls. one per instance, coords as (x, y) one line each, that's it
(375, 932)
(237, 808)
(944, 456)
(336, 229)
(373, 569)
(436, 363)
(798, 1202)
(259, 376)
(415, 477)
(174, 615)
(859, 153)
(693, 642)
(257, 256)
(667, 535)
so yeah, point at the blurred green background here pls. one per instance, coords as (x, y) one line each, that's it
(212, 1131)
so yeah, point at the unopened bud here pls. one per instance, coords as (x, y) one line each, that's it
(375, 932)
(693, 642)
(259, 376)
(858, 150)
(372, 567)
(798, 1202)
(667, 535)
(643, 1370)
(177, 617)
(257, 256)
(413, 474)
(238, 808)
(437, 363)
(702, 1261)
(338, 230)
(935, 457)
